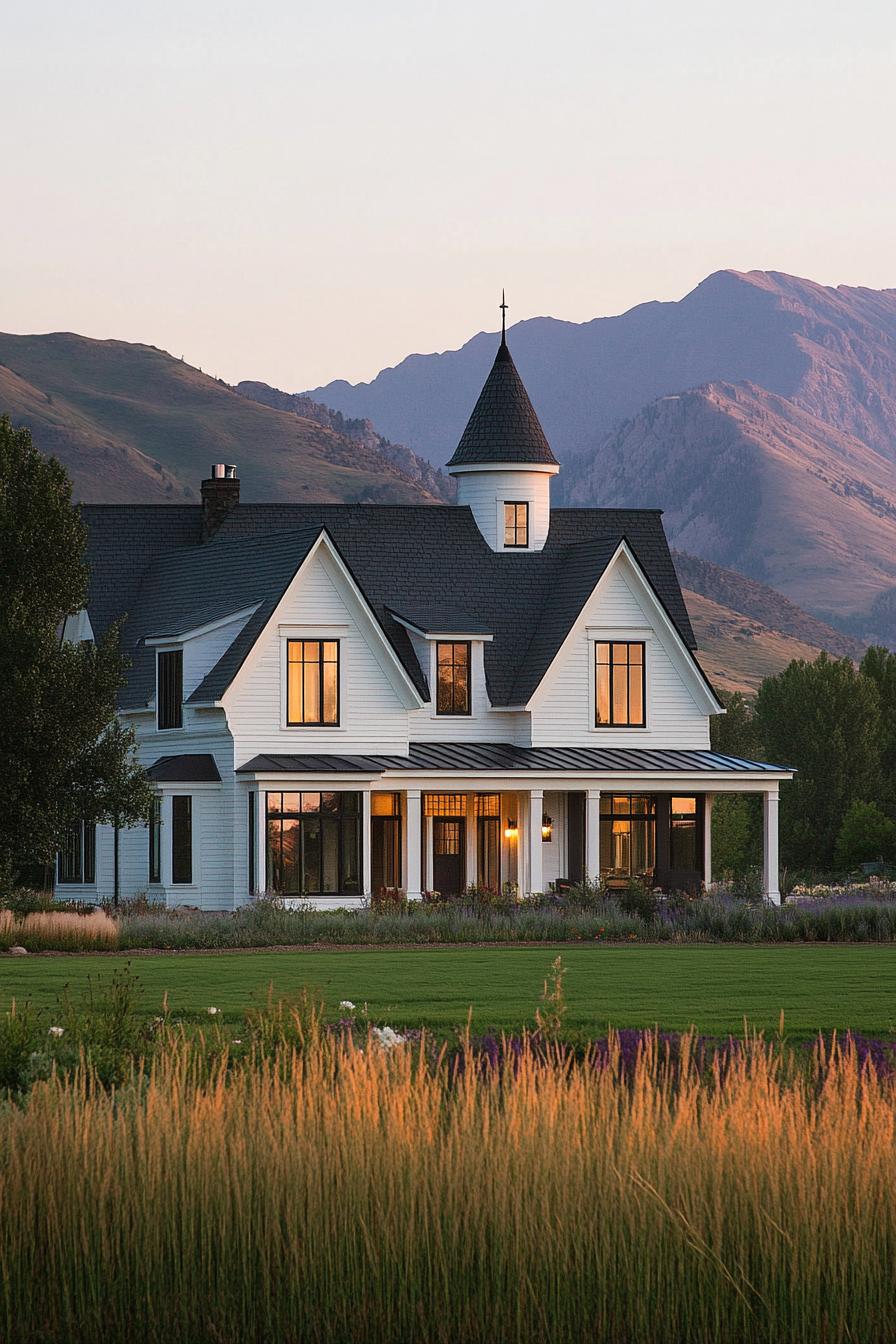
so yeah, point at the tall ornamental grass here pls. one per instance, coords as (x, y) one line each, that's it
(59, 931)
(345, 1192)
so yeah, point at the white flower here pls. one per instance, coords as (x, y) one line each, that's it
(348, 1005)
(237, 1040)
(213, 1012)
(56, 1031)
(387, 1037)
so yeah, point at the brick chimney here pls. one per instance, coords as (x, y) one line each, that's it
(220, 494)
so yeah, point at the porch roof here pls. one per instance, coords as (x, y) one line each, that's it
(470, 757)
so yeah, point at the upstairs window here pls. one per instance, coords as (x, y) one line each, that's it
(516, 524)
(452, 678)
(312, 685)
(170, 689)
(619, 685)
(77, 857)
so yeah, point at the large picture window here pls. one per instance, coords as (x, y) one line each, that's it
(170, 689)
(314, 844)
(516, 524)
(77, 858)
(619, 684)
(312, 682)
(627, 835)
(452, 678)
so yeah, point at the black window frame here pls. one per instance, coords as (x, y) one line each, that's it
(253, 842)
(78, 857)
(454, 644)
(169, 689)
(612, 644)
(386, 837)
(516, 545)
(350, 829)
(321, 721)
(154, 836)
(182, 839)
(621, 807)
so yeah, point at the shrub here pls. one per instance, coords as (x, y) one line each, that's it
(637, 898)
(865, 835)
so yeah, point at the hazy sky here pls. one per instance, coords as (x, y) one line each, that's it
(299, 192)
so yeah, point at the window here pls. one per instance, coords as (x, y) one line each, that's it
(488, 841)
(77, 858)
(312, 686)
(253, 840)
(452, 678)
(627, 835)
(619, 685)
(182, 839)
(516, 524)
(385, 840)
(170, 689)
(314, 843)
(444, 804)
(683, 835)
(155, 841)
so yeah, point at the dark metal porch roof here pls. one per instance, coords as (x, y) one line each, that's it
(470, 757)
(197, 768)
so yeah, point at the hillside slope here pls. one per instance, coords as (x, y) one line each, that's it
(132, 423)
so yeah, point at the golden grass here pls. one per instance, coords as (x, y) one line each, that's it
(343, 1194)
(58, 930)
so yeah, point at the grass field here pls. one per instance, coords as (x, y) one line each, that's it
(713, 988)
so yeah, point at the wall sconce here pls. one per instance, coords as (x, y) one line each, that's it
(510, 830)
(547, 827)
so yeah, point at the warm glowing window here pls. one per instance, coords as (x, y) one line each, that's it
(516, 524)
(312, 682)
(444, 804)
(683, 834)
(619, 685)
(488, 804)
(314, 843)
(452, 678)
(627, 835)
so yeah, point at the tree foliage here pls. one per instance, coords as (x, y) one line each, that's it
(866, 834)
(66, 755)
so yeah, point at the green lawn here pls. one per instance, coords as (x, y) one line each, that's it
(714, 988)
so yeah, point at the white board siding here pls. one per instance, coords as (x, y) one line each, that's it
(372, 717)
(485, 492)
(563, 711)
(203, 652)
(483, 725)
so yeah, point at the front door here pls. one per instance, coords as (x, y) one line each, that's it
(448, 845)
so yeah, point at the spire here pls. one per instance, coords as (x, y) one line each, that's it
(503, 426)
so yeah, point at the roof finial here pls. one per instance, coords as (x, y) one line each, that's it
(503, 306)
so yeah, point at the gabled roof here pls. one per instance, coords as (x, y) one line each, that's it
(428, 563)
(503, 426)
(190, 768)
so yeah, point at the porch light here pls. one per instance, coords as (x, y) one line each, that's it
(547, 826)
(510, 830)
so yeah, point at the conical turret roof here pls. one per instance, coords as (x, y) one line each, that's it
(503, 426)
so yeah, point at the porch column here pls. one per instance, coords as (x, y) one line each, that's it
(707, 839)
(413, 882)
(592, 835)
(770, 874)
(165, 813)
(366, 882)
(261, 846)
(536, 811)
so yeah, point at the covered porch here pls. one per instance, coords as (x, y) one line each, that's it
(336, 830)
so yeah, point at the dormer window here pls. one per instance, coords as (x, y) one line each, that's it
(170, 689)
(516, 524)
(453, 678)
(312, 684)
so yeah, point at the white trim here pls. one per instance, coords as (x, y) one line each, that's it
(464, 468)
(153, 641)
(319, 637)
(663, 625)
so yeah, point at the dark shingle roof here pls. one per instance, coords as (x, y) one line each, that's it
(502, 756)
(428, 563)
(503, 426)
(191, 768)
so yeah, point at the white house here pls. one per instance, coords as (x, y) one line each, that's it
(332, 699)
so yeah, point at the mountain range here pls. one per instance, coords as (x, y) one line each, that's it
(759, 412)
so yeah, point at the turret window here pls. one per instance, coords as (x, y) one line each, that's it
(516, 524)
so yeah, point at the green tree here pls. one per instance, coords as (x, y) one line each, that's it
(734, 732)
(66, 756)
(824, 719)
(879, 665)
(865, 835)
(736, 817)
